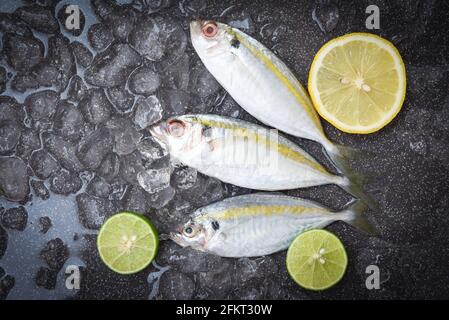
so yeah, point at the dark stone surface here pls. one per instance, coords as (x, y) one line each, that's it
(6, 284)
(107, 146)
(46, 278)
(3, 241)
(55, 253)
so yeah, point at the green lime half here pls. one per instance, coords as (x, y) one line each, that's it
(127, 242)
(316, 260)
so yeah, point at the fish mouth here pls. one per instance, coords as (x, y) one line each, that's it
(158, 132)
(177, 238)
(195, 27)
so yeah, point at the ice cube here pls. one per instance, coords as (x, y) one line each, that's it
(176, 286)
(95, 147)
(100, 36)
(93, 211)
(121, 98)
(151, 149)
(15, 218)
(22, 53)
(148, 111)
(111, 67)
(83, 55)
(184, 178)
(43, 164)
(39, 18)
(41, 106)
(40, 189)
(154, 180)
(10, 133)
(126, 137)
(96, 106)
(68, 121)
(14, 178)
(130, 165)
(110, 166)
(326, 15)
(64, 151)
(65, 182)
(77, 89)
(144, 81)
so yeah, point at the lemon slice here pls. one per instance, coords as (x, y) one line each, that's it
(316, 260)
(357, 82)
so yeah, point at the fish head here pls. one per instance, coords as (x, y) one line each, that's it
(211, 38)
(193, 234)
(180, 134)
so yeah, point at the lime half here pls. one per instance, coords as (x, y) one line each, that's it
(127, 242)
(316, 260)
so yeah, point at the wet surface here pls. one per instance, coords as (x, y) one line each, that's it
(73, 150)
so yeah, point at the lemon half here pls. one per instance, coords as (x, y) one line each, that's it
(357, 82)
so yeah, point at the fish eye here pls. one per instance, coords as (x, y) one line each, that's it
(189, 231)
(209, 29)
(176, 128)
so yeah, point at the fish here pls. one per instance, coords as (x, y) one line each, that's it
(260, 224)
(243, 154)
(262, 85)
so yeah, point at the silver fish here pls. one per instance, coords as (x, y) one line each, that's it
(261, 84)
(243, 154)
(259, 224)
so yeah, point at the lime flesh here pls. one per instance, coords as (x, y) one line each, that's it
(127, 242)
(316, 260)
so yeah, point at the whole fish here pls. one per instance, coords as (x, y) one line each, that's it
(243, 154)
(259, 224)
(261, 83)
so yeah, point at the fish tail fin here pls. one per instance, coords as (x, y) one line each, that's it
(355, 216)
(353, 185)
(341, 155)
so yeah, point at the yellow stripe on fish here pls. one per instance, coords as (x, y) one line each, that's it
(282, 149)
(262, 210)
(273, 68)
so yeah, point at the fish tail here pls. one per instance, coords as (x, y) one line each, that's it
(341, 155)
(355, 216)
(353, 185)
